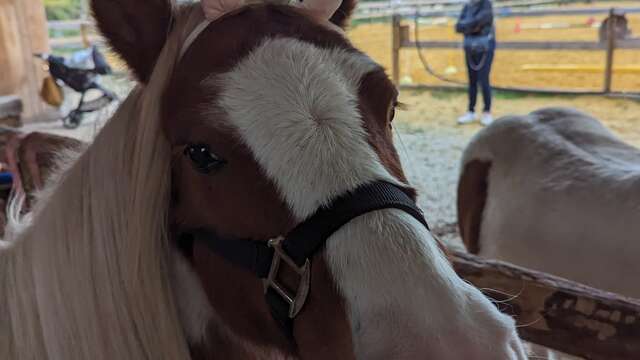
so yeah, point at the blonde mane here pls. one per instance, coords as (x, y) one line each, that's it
(85, 276)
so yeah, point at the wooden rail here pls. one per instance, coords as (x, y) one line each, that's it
(74, 41)
(432, 8)
(83, 26)
(67, 24)
(507, 12)
(530, 45)
(557, 313)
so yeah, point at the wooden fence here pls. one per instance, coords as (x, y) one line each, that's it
(557, 313)
(86, 34)
(425, 8)
(400, 39)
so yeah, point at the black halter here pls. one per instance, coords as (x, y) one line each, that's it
(298, 247)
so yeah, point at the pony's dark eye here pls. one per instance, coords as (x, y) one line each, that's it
(391, 113)
(203, 159)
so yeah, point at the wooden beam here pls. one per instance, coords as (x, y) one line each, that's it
(611, 47)
(396, 44)
(588, 68)
(531, 45)
(12, 71)
(507, 12)
(23, 31)
(558, 313)
(75, 41)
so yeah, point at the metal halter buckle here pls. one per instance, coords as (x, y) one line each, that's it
(296, 301)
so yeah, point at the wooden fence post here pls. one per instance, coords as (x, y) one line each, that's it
(611, 46)
(395, 48)
(84, 34)
(558, 313)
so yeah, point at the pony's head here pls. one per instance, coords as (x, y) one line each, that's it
(271, 114)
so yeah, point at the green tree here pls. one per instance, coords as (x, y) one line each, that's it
(62, 9)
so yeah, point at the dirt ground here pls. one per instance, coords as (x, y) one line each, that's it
(443, 107)
(509, 67)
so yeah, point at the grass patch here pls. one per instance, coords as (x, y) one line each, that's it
(407, 127)
(509, 95)
(516, 95)
(446, 94)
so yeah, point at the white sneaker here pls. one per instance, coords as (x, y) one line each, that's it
(486, 119)
(467, 118)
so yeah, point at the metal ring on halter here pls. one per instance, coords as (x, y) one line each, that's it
(295, 301)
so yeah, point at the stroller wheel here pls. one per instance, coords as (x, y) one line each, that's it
(72, 120)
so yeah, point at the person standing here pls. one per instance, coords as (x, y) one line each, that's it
(476, 24)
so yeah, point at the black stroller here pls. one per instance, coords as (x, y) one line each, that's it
(81, 80)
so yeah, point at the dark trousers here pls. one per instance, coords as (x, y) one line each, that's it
(479, 68)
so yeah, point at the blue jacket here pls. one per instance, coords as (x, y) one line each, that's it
(476, 18)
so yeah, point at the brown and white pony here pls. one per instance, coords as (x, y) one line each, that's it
(32, 157)
(287, 115)
(554, 191)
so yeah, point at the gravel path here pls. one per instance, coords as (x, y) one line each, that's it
(431, 158)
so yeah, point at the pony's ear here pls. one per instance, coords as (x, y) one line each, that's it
(342, 16)
(135, 29)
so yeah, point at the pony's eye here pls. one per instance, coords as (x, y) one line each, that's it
(391, 113)
(392, 110)
(202, 158)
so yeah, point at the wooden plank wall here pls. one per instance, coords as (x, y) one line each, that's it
(23, 31)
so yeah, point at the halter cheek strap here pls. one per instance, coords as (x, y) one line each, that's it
(295, 251)
(193, 36)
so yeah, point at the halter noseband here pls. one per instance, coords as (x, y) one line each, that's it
(295, 250)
